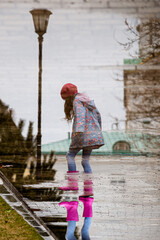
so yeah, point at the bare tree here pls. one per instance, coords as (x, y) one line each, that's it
(142, 87)
(147, 35)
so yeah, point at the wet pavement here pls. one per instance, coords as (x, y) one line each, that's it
(126, 198)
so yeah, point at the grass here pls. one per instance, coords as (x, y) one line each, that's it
(13, 226)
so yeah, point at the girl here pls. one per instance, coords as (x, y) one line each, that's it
(86, 135)
(86, 129)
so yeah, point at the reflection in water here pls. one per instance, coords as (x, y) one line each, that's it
(71, 206)
(22, 175)
(24, 168)
(27, 172)
(72, 183)
(142, 86)
(88, 185)
(131, 202)
(47, 170)
(146, 33)
(142, 98)
(126, 199)
(13, 143)
(18, 163)
(72, 217)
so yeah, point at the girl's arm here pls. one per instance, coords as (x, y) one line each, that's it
(79, 116)
(99, 118)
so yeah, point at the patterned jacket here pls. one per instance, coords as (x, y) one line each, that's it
(86, 129)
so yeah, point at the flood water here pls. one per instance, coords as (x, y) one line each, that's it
(111, 51)
(126, 197)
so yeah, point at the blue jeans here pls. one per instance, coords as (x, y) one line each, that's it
(85, 159)
(84, 232)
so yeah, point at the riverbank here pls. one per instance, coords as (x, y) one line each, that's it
(13, 226)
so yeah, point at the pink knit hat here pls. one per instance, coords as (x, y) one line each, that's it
(68, 90)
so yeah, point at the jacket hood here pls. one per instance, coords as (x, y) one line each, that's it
(86, 101)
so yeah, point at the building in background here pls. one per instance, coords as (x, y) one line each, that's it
(142, 97)
(116, 143)
(142, 86)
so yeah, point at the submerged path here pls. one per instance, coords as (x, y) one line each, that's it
(126, 199)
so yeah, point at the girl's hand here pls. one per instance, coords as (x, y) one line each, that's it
(76, 133)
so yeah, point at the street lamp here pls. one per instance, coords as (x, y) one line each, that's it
(40, 19)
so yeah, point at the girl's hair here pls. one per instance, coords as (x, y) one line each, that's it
(68, 108)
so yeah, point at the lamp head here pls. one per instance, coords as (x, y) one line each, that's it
(40, 19)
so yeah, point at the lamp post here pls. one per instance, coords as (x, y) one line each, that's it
(40, 19)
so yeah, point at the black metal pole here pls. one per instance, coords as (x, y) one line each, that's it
(39, 135)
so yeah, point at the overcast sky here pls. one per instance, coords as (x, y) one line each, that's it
(77, 46)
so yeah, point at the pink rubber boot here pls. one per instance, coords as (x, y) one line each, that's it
(87, 184)
(72, 184)
(72, 213)
(88, 188)
(87, 202)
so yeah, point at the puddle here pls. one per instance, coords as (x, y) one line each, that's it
(124, 200)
